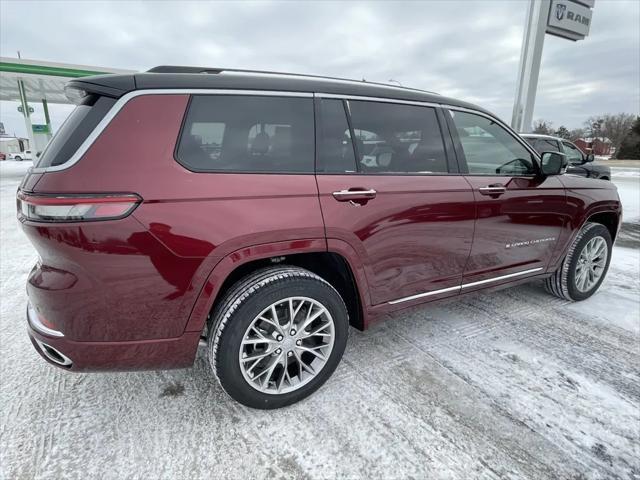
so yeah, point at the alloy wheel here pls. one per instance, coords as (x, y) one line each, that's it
(286, 345)
(591, 264)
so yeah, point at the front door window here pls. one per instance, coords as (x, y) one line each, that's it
(489, 149)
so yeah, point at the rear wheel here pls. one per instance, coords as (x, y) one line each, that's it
(277, 336)
(585, 266)
(18, 158)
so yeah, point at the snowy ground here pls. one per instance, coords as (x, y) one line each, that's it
(628, 182)
(514, 384)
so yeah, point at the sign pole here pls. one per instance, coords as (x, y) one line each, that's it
(570, 19)
(529, 71)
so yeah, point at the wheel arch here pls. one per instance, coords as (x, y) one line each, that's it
(609, 219)
(602, 214)
(337, 266)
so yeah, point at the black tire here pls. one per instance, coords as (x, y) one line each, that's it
(242, 303)
(562, 283)
(18, 158)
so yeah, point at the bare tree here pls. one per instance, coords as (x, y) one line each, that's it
(614, 127)
(576, 133)
(543, 127)
(562, 132)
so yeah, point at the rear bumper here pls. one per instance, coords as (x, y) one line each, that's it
(157, 354)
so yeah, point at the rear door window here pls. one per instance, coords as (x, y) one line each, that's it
(397, 138)
(74, 131)
(542, 145)
(251, 134)
(335, 148)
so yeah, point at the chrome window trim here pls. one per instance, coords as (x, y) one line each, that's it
(463, 286)
(511, 132)
(122, 101)
(376, 99)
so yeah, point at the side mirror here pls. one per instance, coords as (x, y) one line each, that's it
(589, 157)
(554, 163)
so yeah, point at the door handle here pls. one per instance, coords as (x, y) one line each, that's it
(494, 190)
(355, 194)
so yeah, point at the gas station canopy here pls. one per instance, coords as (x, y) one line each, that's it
(42, 80)
(27, 81)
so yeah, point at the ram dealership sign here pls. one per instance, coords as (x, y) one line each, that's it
(570, 19)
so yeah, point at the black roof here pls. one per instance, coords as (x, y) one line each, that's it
(215, 78)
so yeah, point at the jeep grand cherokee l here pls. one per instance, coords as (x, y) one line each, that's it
(264, 214)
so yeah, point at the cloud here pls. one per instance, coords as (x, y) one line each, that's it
(465, 49)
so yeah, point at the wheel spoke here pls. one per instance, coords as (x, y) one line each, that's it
(258, 341)
(285, 364)
(318, 329)
(319, 334)
(314, 351)
(306, 367)
(585, 278)
(269, 371)
(256, 357)
(310, 318)
(275, 324)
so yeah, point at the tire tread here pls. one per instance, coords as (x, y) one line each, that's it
(557, 284)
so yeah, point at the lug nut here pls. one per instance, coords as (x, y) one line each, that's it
(292, 332)
(289, 353)
(279, 338)
(298, 342)
(279, 351)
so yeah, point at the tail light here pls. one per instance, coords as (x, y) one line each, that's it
(75, 208)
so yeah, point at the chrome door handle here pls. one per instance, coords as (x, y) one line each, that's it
(353, 194)
(493, 190)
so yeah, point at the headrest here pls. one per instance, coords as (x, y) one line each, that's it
(260, 145)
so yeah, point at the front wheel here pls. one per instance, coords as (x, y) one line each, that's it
(277, 336)
(18, 158)
(585, 266)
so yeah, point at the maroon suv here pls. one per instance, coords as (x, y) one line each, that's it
(262, 214)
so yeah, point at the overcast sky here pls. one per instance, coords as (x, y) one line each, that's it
(465, 49)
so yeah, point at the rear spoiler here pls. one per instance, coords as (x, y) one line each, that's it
(113, 86)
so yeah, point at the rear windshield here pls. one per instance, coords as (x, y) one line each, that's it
(74, 131)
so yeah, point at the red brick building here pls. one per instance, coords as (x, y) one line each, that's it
(597, 146)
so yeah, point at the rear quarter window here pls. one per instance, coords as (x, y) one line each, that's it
(74, 131)
(250, 134)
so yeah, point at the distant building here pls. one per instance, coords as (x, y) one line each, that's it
(10, 144)
(597, 146)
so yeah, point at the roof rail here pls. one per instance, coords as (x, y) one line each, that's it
(215, 71)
